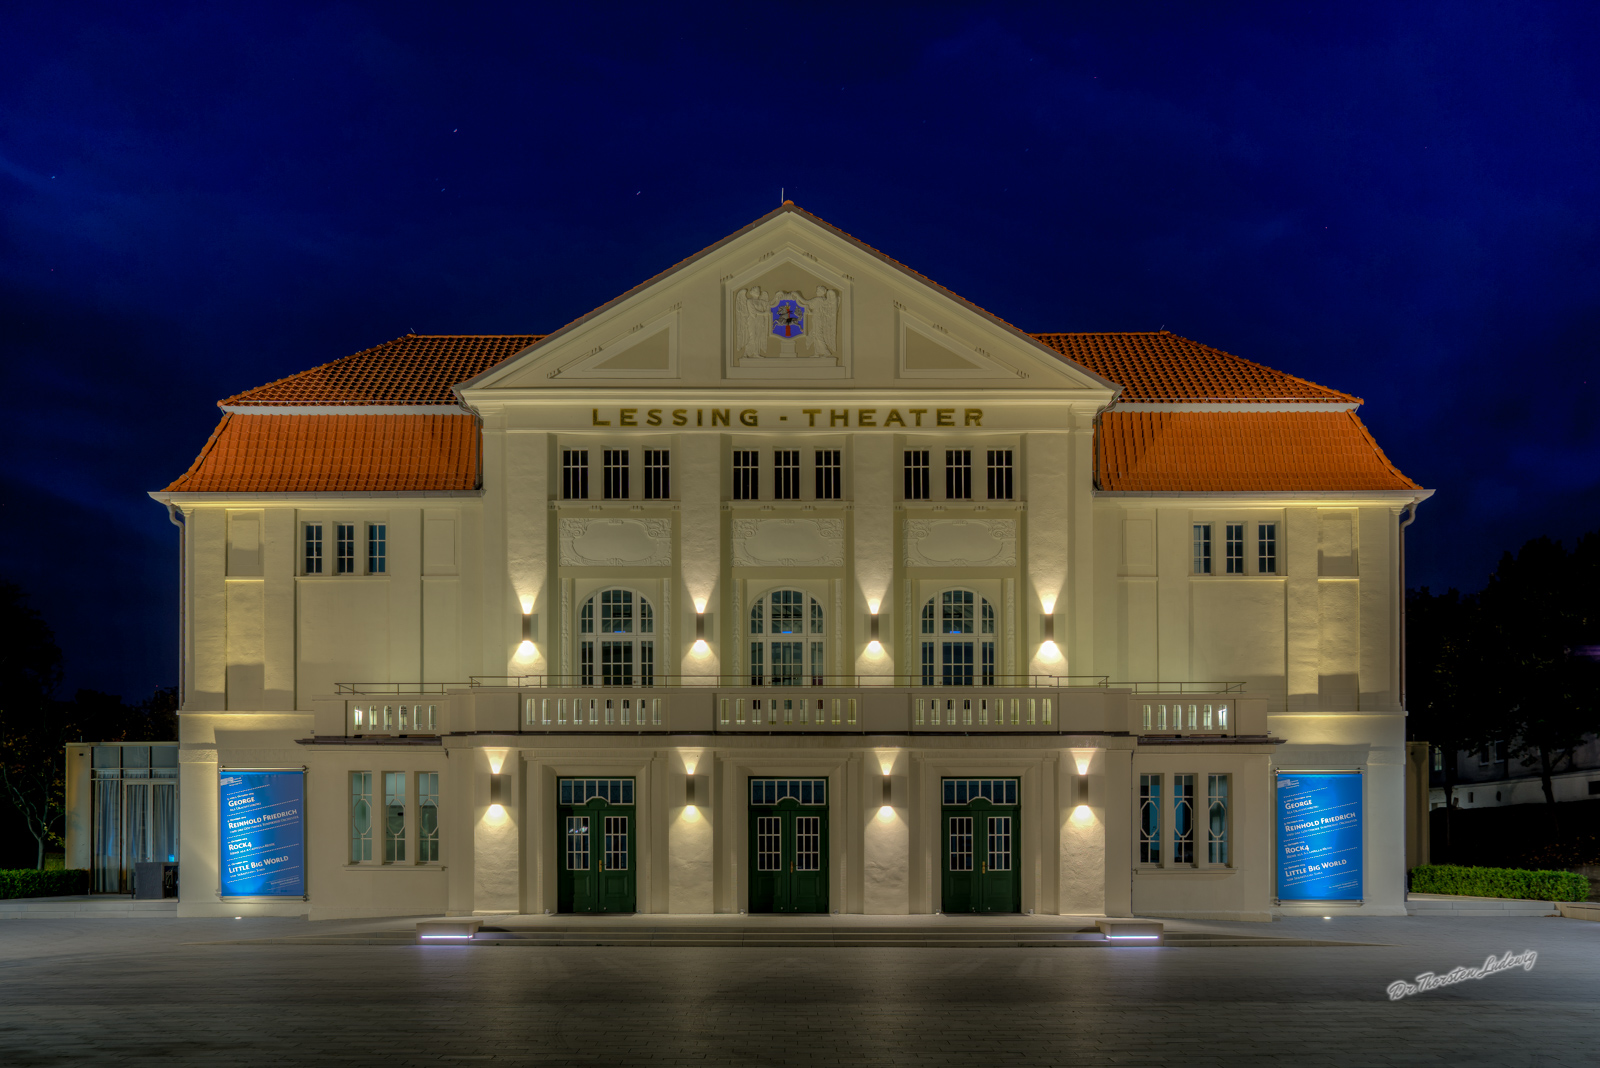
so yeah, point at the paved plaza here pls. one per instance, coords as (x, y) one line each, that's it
(137, 991)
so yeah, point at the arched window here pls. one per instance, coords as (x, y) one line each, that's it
(623, 625)
(957, 640)
(786, 640)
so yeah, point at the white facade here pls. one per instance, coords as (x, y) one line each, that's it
(277, 659)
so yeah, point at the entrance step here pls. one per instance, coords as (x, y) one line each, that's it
(119, 905)
(1460, 905)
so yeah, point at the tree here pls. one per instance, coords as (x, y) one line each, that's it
(1537, 613)
(1447, 704)
(32, 727)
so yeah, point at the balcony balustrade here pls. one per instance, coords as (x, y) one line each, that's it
(734, 705)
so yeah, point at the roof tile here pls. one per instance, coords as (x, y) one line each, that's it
(1164, 367)
(335, 453)
(1222, 452)
(414, 369)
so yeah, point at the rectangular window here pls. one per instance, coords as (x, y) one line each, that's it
(313, 548)
(1149, 819)
(360, 816)
(829, 482)
(958, 474)
(1438, 758)
(999, 474)
(616, 474)
(377, 548)
(577, 843)
(344, 558)
(1267, 548)
(786, 474)
(917, 475)
(657, 475)
(1183, 819)
(575, 474)
(1235, 548)
(428, 817)
(1202, 548)
(1217, 819)
(746, 475)
(394, 816)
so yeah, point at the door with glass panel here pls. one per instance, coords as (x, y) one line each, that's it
(595, 829)
(788, 845)
(981, 840)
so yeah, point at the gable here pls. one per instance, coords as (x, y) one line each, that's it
(789, 302)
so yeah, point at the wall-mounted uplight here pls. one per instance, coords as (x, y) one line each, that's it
(530, 628)
(497, 794)
(874, 646)
(1047, 635)
(886, 810)
(701, 646)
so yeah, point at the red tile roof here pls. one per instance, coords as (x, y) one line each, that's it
(1163, 367)
(415, 369)
(335, 453)
(1220, 452)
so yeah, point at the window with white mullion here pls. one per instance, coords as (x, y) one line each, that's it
(786, 474)
(575, 474)
(829, 481)
(1267, 548)
(394, 817)
(344, 551)
(746, 475)
(958, 474)
(657, 474)
(1217, 819)
(313, 553)
(1183, 819)
(616, 474)
(916, 472)
(999, 470)
(1234, 544)
(1150, 819)
(1202, 548)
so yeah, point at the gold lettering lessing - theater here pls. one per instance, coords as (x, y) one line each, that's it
(831, 418)
(848, 596)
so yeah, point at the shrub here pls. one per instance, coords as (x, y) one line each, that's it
(29, 882)
(1499, 882)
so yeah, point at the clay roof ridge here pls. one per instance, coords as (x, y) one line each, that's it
(1273, 370)
(237, 397)
(205, 450)
(1382, 456)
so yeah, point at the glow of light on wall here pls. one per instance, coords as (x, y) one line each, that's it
(886, 812)
(527, 604)
(1081, 758)
(699, 606)
(495, 813)
(497, 759)
(691, 814)
(527, 650)
(1049, 651)
(700, 648)
(1048, 602)
(1082, 814)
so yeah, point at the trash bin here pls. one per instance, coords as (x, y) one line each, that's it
(155, 879)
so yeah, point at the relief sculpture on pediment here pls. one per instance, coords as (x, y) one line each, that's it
(789, 318)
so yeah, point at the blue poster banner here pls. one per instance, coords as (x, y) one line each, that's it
(263, 833)
(1319, 836)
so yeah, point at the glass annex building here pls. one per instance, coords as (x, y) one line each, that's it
(789, 581)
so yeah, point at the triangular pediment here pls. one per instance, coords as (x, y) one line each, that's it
(789, 302)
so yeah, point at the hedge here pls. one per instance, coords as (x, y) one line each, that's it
(30, 882)
(1499, 882)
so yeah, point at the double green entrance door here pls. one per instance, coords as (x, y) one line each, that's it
(595, 829)
(788, 845)
(980, 818)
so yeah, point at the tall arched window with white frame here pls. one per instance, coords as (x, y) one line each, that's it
(616, 640)
(787, 640)
(958, 640)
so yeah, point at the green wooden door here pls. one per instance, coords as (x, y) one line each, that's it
(788, 845)
(980, 830)
(596, 828)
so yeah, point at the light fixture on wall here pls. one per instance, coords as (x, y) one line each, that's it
(497, 789)
(530, 627)
(887, 808)
(701, 628)
(874, 646)
(1083, 790)
(691, 790)
(1047, 634)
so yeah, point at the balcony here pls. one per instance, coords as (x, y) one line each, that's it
(1169, 712)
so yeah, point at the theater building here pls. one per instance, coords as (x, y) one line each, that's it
(789, 581)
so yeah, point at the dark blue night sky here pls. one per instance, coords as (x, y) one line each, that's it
(1396, 200)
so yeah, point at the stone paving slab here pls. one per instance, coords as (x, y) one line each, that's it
(147, 992)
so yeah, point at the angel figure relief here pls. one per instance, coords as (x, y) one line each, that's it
(824, 309)
(750, 309)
